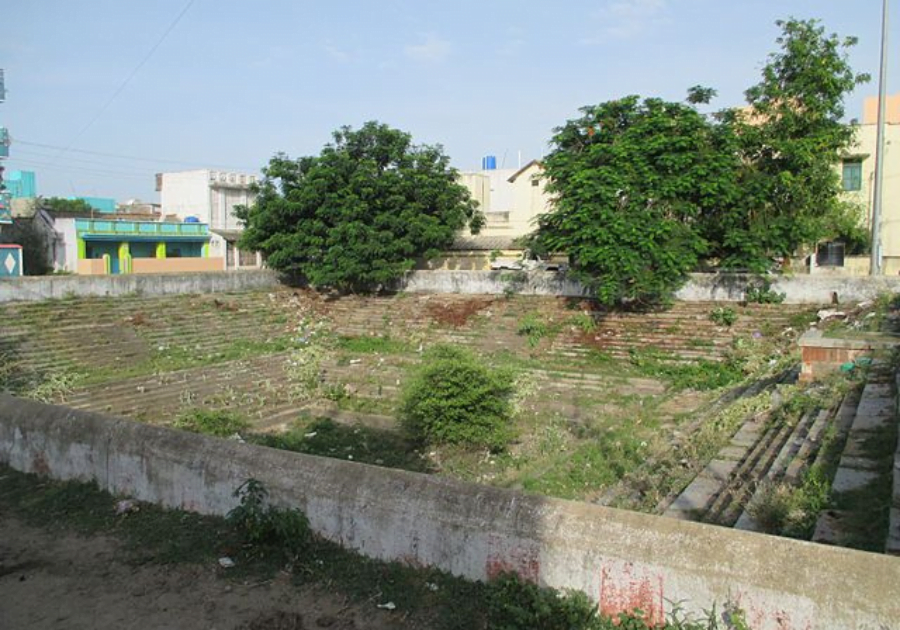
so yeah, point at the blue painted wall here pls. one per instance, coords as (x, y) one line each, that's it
(21, 184)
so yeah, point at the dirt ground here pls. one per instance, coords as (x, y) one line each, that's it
(62, 581)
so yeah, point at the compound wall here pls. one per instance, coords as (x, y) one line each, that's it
(34, 288)
(623, 560)
(799, 289)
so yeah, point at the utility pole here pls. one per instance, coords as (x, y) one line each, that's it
(875, 264)
(5, 204)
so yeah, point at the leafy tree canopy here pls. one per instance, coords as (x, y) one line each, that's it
(633, 181)
(791, 139)
(59, 204)
(361, 213)
(645, 190)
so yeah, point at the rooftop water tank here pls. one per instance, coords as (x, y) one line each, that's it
(489, 163)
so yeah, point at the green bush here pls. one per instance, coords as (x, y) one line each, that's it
(218, 422)
(514, 604)
(761, 292)
(455, 399)
(267, 528)
(723, 316)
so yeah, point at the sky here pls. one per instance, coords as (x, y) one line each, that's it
(103, 94)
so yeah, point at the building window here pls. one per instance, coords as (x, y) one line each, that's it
(851, 175)
(830, 254)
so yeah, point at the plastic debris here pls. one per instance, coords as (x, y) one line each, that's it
(126, 506)
(225, 562)
(388, 606)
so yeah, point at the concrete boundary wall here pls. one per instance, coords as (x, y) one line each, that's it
(34, 288)
(623, 560)
(799, 289)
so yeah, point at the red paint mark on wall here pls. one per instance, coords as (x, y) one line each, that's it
(523, 560)
(623, 589)
(39, 465)
(761, 616)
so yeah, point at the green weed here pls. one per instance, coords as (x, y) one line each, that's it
(219, 422)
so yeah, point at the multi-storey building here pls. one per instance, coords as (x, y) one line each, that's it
(210, 196)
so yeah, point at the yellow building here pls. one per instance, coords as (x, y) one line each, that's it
(511, 199)
(858, 177)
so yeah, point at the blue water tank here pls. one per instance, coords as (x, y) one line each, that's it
(191, 220)
(489, 163)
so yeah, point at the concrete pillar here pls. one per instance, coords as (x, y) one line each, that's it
(124, 258)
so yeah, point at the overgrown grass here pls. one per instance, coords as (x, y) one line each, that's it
(367, 445)
(373, 345)
(700, 375)
(172, 358)
(217, 422)
(594, 463)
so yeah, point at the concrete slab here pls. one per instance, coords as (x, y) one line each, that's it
(721, 469)
(859, 463)
(828, 527)
(695, 498)
(856, 445)
(746, 437)
(848, 479)
(733, 453)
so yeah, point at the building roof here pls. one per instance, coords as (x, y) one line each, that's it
(522, 170)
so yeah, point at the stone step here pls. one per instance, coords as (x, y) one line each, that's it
(877, 407)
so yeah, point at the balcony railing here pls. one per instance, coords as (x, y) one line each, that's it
(140, 228)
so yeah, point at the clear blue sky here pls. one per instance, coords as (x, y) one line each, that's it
(234, 82)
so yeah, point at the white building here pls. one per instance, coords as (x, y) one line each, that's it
(209, 196)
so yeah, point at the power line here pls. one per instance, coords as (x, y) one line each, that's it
(128, 79)
(37, 155)
(78, 169)
(131, 157)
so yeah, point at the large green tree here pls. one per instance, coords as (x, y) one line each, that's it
(361, 213)
(791, 138)
(633, 183)
(647, 190)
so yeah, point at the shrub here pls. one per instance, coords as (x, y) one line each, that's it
(761, 292)
(218, 422)
(533, 327)
(514, 605)
(268, 528)
(456, 399)
(723, 316)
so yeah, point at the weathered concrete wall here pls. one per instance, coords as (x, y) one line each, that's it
(46, 287)
(799, 289)
(621, 559)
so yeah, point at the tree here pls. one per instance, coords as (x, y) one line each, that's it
(453, 398)
(633, 182)
(646, 190)
(791, 139)
(58, 204)
(361, 213)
